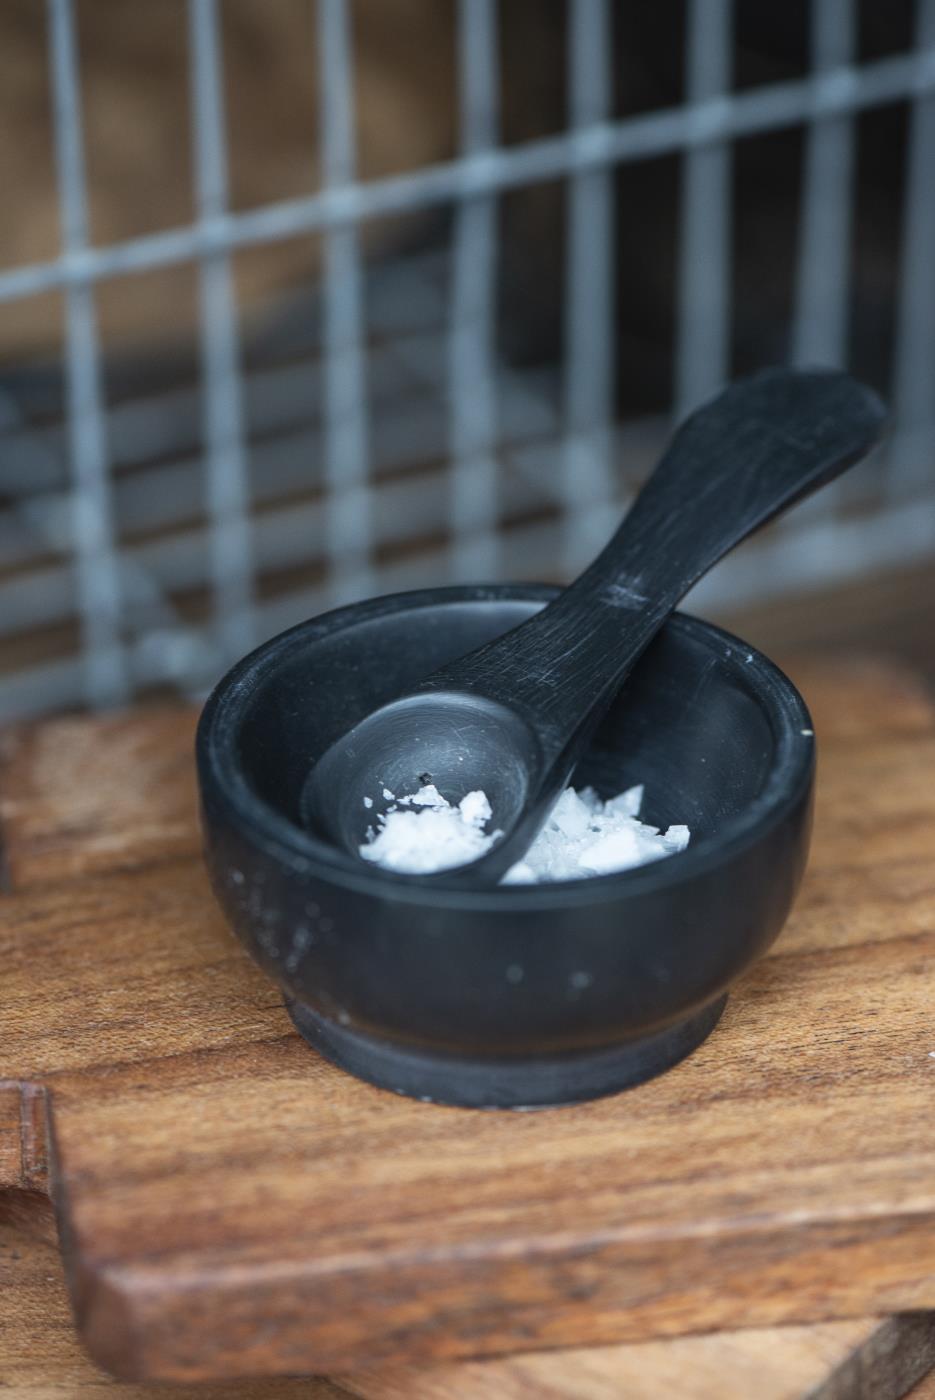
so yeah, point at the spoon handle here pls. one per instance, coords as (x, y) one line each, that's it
(757, 448)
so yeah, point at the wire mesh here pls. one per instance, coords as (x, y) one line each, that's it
(394, 444)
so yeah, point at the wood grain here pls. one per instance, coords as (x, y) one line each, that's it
(232, 1205)
(84, 794)
(867, 1359)
(41, 1357)
(859, 1360)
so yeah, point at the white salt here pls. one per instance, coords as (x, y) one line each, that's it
(475, 808)
(627, 803)
(428, 796)
(583, 836)
(615, 850)
(436, 837)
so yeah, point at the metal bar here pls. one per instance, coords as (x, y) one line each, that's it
(590, 315)
(161, 488)
(825, 554)
(703, 336)
(471, 372)
(291, 534)
(822, 553)
(914, 378)
(768, 108)
(169, 494)
(152, 427)
(819, 335)
(828, 554)
(820, 326)
(105, 680)
(346, 447)
(227, 482)
(408, 508)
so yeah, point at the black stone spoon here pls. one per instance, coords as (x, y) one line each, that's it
(514, 716)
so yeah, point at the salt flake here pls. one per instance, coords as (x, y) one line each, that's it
(582, 836)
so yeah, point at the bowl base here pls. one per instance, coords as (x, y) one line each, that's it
(540, 1082)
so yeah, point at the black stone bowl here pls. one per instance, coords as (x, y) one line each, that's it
(525, 995)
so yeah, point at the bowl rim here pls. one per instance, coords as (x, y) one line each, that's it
(221, 778)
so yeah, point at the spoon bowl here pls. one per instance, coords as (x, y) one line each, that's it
(520, 995)
(458, 743)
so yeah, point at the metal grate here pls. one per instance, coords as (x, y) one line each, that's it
(396, 446)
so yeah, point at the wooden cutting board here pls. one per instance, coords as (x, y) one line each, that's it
(230, 1204)
(860, 1359)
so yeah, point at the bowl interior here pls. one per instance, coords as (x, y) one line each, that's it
(692, 724)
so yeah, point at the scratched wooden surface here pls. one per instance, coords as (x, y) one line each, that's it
(232, 1205)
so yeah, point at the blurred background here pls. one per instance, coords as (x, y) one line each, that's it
(304, 300)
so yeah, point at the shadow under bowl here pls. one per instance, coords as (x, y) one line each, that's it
(518, 996)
